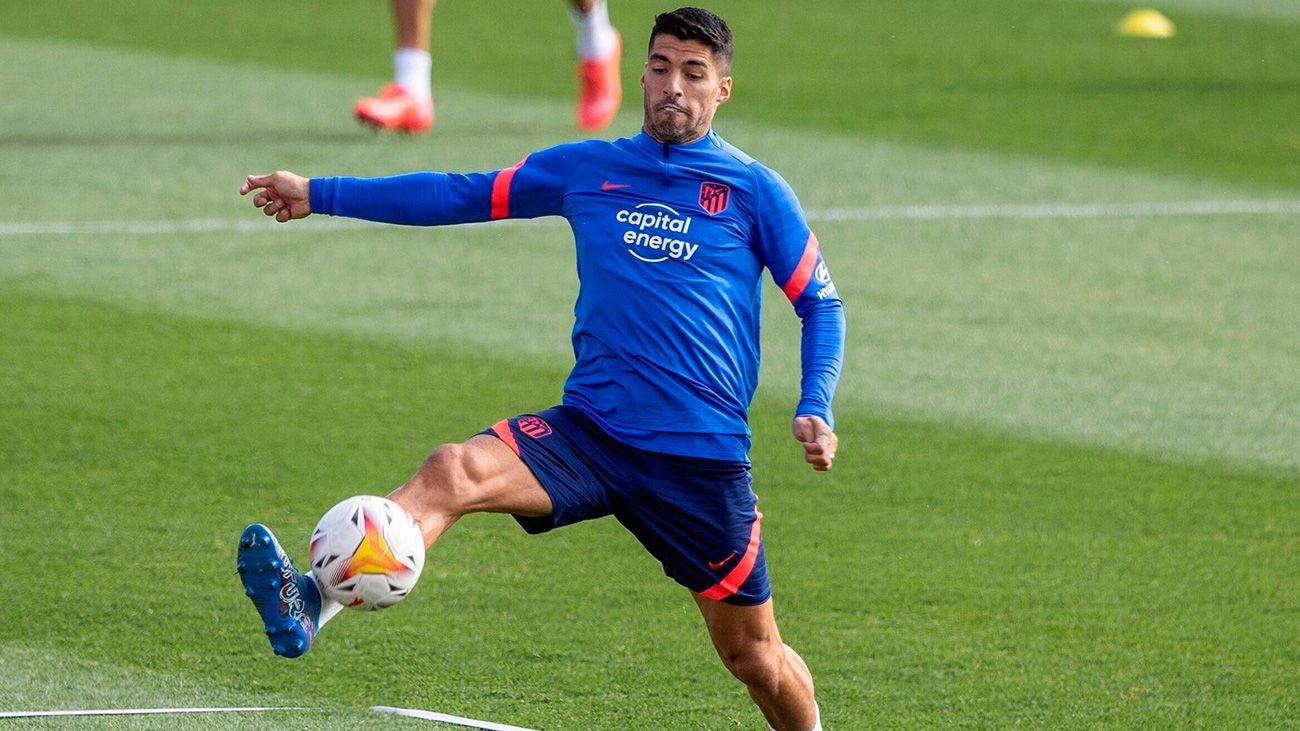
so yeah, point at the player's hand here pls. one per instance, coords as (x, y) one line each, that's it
(819, 442)
(281, 194)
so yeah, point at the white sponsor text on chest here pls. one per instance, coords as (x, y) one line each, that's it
(651, 226)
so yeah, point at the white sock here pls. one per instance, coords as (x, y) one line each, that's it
(412, 70)
(328, 607)
(597, 39)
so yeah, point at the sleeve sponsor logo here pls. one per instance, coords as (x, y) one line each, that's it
(823, 276)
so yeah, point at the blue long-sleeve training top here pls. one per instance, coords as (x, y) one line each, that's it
(671, 244)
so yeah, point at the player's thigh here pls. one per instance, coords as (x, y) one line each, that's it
(504, 482)
(479, 475)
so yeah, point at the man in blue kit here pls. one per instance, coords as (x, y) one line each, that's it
(673, 228)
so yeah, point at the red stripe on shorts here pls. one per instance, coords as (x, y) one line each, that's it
(730, 583)
(502, 430)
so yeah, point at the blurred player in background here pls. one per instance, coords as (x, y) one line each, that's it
(673, 228)
(407, 104)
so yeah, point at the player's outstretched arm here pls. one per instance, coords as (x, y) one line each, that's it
(282, 194)
(819, 442)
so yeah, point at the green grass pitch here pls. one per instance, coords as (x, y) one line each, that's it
(1068, 492)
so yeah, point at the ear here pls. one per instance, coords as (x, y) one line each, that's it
(724, 89)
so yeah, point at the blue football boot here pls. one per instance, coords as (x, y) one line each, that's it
(287, 601)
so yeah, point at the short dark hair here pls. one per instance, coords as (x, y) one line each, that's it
(697, 24)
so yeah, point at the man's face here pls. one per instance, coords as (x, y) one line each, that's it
(683, 88)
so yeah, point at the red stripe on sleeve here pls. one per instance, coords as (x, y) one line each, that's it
(501, 190)
(734, 578)
(502, 430)
(794, 286)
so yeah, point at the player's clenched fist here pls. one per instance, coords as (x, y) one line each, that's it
(819, 442)
(281, 194)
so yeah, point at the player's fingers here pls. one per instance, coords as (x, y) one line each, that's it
(830, 444)
(253, 182)
(824, 441)
(270, 195)
(819, 462)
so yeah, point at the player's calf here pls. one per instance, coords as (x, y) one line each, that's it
(439, 492)
(479, 475)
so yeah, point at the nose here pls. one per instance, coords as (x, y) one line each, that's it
(673, 86)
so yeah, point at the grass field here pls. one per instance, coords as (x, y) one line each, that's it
(1068, 493)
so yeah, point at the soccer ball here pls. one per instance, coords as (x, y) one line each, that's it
(367, 552)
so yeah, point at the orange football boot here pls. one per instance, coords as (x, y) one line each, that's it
(601, 91)
(395, 109)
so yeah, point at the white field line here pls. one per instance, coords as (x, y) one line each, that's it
(456, 720)
(138, 711)
(920, 212)
(1058, 210)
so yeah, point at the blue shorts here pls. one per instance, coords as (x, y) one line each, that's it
(699, 517)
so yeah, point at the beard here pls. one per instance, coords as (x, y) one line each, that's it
(672, 124)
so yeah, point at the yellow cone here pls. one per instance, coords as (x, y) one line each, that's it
(1146, 23)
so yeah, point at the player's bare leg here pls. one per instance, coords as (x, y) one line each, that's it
(411, 21)
(599, 52)
(406, 104)
(481, 475)
(749, 643)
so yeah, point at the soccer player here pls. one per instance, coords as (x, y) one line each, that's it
(407, 104)
(673, 228)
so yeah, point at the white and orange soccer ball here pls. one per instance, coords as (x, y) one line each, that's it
(367, 553)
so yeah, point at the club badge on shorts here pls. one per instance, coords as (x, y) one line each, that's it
(534, 426)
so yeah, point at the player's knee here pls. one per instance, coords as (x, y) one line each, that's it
(757, 665)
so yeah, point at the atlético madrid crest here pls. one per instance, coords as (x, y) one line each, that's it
(714, 197)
